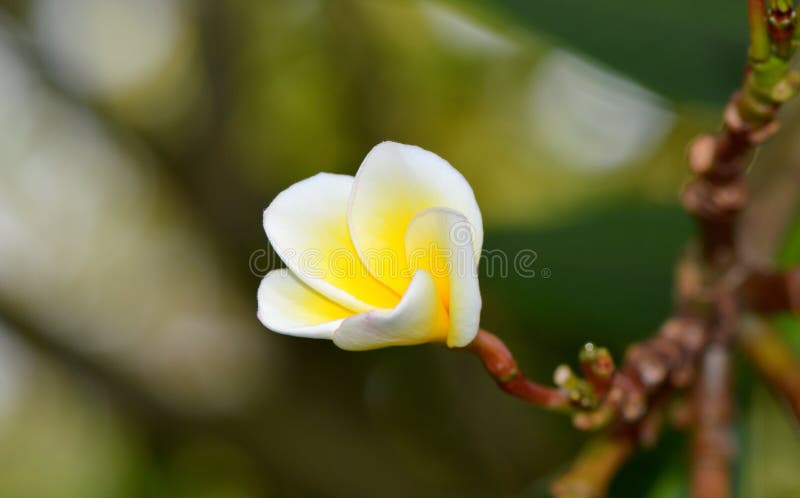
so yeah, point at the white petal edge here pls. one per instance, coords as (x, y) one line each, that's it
(439, 240)
(393, 184)
(307, 226)
(288, 306)
(418, 318)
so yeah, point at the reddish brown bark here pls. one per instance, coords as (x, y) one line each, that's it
(712, 442)
(770, 292)
(714, 290)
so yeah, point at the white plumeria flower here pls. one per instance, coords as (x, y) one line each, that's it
(386, 258)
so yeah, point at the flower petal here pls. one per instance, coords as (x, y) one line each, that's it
(440, 240)
(307, 226)
(393, 184)
(288, 306)
(418, 318)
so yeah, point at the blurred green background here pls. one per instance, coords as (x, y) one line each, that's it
(140, 141)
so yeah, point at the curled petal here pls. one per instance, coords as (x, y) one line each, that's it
(307, 226)
(288, 306)
(440, 240)
(393, 184)
(418, 318)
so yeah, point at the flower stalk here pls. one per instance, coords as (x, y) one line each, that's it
(503, 368)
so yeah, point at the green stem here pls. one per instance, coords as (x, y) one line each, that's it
(759, 35)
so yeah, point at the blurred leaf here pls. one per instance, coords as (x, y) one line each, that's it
(771, 446)
(787, 324)
(789, 327)
(771, 450)
(656, 473)
(790, 254)
(684, 49)
(206, 468)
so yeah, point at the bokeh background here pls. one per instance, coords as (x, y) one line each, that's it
(140, 141)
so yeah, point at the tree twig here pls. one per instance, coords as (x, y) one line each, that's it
(710, 292)
(712, 443)
(718, 193)
(667, 359)
(770, 292)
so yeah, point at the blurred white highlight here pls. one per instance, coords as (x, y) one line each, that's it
(466, 35)
(591, 118)
(98, 47)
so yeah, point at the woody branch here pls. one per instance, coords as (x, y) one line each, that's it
(714, 289)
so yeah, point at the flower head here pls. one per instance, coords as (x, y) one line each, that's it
(383, 259)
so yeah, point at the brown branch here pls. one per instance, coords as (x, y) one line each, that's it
(592, 472)
(603, 456)
(713, 404)
(664, 361)
(712, 443)
(637, 395)
(710, 293)
(716, 197)
(669, 356)
(774, 194)
(774, 361)
(718, 193)
(770, 292)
